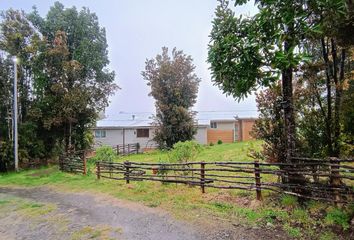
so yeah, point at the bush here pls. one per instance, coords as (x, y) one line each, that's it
(183, 152)
(104, 153)
(219, 141)
(211, 144)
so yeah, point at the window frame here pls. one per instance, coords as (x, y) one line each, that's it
(145, 131)
(100, 133)
(213, 125)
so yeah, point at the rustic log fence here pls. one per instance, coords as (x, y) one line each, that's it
(328, 180)
(74, 162)
(127, 149)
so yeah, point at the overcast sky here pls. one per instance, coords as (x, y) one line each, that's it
(137, 29)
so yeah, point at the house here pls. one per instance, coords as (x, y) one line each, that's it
(230, 130)
(126, 129)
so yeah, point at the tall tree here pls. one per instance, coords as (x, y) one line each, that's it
(251, 52)
(174, 85)
(77, 80)
(64, 81)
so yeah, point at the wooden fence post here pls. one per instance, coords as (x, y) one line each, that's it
(137, 148)
(61, 163)
(118, 149)
(84, 162)
(202, 176)
(335, 177)
(127, 171)
(128, 149)
(257, 176)
(110, 169)
(98, 170)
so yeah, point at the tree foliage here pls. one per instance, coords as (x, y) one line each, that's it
(174, 86)
(302, 45)
(63, 78)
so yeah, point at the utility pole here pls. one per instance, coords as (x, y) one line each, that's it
(15, 117)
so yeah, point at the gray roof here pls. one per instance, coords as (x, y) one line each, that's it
(127, 120)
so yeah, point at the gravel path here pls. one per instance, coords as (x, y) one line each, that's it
(44, 213)
(85, 216)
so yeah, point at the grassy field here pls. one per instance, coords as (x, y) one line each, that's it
(311, 220)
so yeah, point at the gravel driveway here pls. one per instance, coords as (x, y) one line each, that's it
(82, 216)
(44, 213)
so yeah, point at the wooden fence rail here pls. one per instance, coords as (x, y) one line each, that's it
(328, 180)
(127, 149)
(74, 162)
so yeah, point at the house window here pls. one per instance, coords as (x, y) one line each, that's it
(213, 125)
(100, 133)
(142, 133)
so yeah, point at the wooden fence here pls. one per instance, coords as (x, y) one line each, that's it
(127, 149)
(329, 180)
(74, 162)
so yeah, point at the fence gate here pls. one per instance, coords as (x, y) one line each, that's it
(74, 162)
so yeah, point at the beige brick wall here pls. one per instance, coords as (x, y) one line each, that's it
(245, 129)
(226, 136)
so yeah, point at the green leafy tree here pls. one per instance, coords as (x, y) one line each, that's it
(246, 53)
(63, 79)
(174, 85)
(251, 52)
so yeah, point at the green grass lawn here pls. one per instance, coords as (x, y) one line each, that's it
(185, 202)
(223, 152)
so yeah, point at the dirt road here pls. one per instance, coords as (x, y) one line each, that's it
(82, 216)
(43, 213)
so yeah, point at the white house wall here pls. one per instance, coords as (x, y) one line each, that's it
(201, 135)
(225, 125)
(115, 137)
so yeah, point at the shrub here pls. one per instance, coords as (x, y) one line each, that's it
(219, 141)
(183, 152)
(104, 153)
(211, 144)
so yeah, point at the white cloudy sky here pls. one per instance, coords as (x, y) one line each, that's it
(137, 29)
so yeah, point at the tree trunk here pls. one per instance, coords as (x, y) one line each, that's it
(329, 99)
(337, 104)
(289, 119)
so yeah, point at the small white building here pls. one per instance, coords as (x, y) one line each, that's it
(130, 129)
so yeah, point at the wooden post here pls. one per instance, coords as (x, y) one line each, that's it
(128, 148)
(123, 141)
(137, 148)
(257, 176)
(202, 176)
(127, 171)
(335, 177)
(110, 169)
(98, 170)
(61, 163)
(84, 163)
(118, 149)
